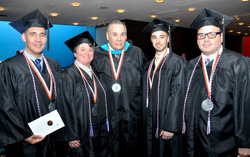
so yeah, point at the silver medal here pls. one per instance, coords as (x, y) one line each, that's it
(94, 110)
(205, 105)
(116, 87)
(52, 106)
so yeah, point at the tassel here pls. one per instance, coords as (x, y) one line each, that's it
(91, 130)
(147, 102)
(157, 132)
(208, 127)
(107, 124)
(184, 128)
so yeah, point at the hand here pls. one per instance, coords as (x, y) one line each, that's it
(34, 139)
(244, 152)
(74, 144)
(166, 135)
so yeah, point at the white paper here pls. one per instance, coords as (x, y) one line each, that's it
(40, 125)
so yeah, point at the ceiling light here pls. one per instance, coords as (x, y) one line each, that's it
(248, 26)
(75, 23)
(241, 23)
(120, 10)
(153, 16)
(246, 33)
(177, 20)
(191, 9)
(231, 31)
(245, 0)
(237, 17)
(94, 18)
(75, 4)
(238, 32)
(53, 14)
(2, 8)
(159, 1)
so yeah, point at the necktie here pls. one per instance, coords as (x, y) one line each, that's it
(117, 56)
(207, 60)
(157, 60)
(37, 61)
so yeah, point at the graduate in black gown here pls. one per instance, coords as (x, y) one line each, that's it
(30, 88)
(217, 101)
(163, 94)
(84, 106)
(120, 65)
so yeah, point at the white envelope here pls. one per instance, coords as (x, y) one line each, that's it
(46, 124)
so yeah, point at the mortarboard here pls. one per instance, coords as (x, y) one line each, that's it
(32, 19)
(84, 37)
(160, 25)
(209, 17)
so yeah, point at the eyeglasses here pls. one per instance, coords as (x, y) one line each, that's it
(210, 35)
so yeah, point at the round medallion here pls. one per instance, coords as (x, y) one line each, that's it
(52, 106)
(116, 87)
(205, 105)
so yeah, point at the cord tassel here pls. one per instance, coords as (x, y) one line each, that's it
(107, 124)
(157, 132)
(91, 130)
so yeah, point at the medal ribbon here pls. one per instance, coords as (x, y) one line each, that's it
(90, 115)
(149, 71)
(116, 73)
(208, 89)
(94, 92)
(208, 82)
(52, 80)
(158, 93)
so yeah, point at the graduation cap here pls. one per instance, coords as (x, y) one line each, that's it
(209, 17)
(160, 25)
(32, 19)
(84, 37)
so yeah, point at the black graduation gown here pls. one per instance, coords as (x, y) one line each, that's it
(126, 105)
(171, 98)
(75, 113)
(230, 116)
(19, 107)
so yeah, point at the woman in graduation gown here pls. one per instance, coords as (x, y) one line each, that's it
(83, 104)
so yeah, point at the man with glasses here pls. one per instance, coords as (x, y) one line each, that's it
(216, 107)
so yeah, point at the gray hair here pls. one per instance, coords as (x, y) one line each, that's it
(116, 22)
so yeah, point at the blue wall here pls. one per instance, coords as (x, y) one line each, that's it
(11, 41)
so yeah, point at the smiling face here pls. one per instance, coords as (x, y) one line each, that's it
(84, 54)
(160, 41)
(117, 36)
(35, 40)
(210, 46)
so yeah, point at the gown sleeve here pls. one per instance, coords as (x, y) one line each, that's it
(12, 128)
(241, 92)
(173, 119)
(66, 104)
